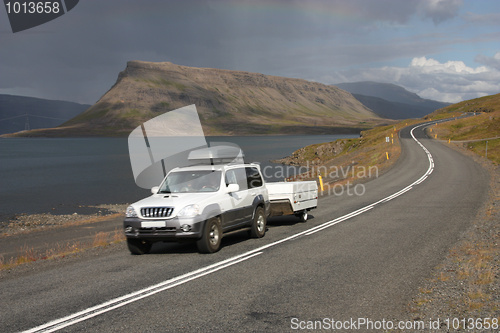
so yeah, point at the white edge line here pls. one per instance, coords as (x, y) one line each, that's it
(143, 293)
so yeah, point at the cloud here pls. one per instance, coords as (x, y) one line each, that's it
(393, 11)
(482, 19)
(451, 81)
(440, 10)
(493, 62)
(424, 65)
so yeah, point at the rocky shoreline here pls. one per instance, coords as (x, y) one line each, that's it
(321, 152)
(24, 223)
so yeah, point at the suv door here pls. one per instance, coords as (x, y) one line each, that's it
(254, 181)
(235, 205)
(255, 184)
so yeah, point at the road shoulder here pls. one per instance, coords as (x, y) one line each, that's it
(465, 284)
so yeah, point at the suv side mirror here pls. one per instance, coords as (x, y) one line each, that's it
(232, 188)
(155, 189)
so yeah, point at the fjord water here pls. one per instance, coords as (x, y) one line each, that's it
(65, 175)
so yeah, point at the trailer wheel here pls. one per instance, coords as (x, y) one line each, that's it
(302, 216)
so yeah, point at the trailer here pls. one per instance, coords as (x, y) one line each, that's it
(293, 198)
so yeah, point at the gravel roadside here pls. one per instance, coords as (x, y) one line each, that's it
(27, 223)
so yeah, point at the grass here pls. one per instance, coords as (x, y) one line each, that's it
(160, 82)
(443, 277)
(89, 116)
(474, 281)
(487, 276)
(474, 130)
(29, 255)
(480, 138)
(422, 301)
(477, 127)
(425, 290)
(492, 151)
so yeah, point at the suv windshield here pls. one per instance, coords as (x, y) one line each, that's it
(191, 181)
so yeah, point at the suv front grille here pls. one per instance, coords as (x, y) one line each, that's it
(157, 211)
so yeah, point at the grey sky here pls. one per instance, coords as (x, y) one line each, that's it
(441, 49)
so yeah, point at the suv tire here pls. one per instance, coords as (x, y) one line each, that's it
(258, 229)
(212, 236)
(138, 246)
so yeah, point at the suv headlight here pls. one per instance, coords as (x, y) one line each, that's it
(130, 212)
(189, 211)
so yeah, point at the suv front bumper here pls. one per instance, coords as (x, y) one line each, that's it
(175, 229)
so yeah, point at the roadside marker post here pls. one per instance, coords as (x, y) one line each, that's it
(321, 183)
(387, 155)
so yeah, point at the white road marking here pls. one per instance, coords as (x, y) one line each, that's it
(143, 293)
(83, 315)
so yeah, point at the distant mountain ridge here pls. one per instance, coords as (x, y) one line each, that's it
(391, 101)
(228, 102)
(41, 113)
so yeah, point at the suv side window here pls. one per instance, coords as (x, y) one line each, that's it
(253, 177)
(237, 176)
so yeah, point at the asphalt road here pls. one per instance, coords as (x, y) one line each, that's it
(367, 264)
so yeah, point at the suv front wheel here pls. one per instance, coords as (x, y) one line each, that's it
(212, 236)
(138, 246)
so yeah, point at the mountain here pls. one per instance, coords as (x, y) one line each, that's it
(228, 102)
(40, 113)
(391, 101)
(393, 110)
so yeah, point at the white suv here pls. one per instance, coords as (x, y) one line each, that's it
(200, 203)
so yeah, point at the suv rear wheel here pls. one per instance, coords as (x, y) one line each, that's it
(258, 229)
(212, 236)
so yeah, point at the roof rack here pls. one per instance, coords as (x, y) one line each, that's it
(218, 155)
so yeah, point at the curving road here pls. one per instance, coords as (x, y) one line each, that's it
(359, 257)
